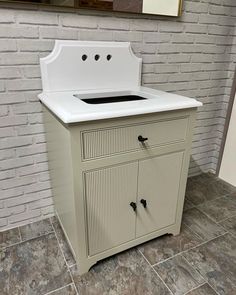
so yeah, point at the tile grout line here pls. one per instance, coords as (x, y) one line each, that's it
(216, 222)
(156, 272)
(28, 240)
(62, 253)
(207, 201)
(219, 225)
(20, 234)
(226, 219)
(192, 231)
(233, 235)
(42, 235)
(190, 249)
(194, 206)
(23, 241)
(57, 289)
(186, 293)
(205, 281)
(213, 288)
(9, 246)
(60, 247)
(77, 292)
(67, 266)
(70, 266)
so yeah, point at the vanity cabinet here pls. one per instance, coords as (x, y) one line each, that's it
(119, 182)
(118, 152)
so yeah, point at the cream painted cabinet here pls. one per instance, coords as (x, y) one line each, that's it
(118, 152)
(119, 182)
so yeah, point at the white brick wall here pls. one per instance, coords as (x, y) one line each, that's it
(193, 55)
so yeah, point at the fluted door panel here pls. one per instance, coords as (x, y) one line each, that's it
(110, 218)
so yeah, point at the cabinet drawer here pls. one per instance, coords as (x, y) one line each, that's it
(120, 139)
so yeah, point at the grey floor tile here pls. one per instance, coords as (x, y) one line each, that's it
(230, 225)
(168, 245)
(126, 273)
(36, 229)
(178, 274)
(205, 188)
(203, 177)
(203, 290)
(34, 267)
(220, 208)
(68, 290)
(9, 237)
(203, 226)
(63, 243)
(188, 205)
(216, 261)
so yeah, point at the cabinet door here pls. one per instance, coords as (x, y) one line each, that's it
(110, 218)
(159, 180)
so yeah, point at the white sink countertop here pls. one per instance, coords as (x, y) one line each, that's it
(71, 109)
(91, 69)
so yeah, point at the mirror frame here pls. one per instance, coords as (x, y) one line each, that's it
(78, 7)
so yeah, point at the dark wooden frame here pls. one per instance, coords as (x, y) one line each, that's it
(94, 4)
(227, 122)
(77, 6)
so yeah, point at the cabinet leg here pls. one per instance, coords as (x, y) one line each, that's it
(84, 268)
(175, 231)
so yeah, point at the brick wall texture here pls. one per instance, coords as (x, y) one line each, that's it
(193, 55)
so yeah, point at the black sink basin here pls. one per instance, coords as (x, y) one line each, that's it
(112, 99)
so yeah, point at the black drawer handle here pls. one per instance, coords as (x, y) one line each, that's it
(144, 203)
(133, 205)
(142, 139)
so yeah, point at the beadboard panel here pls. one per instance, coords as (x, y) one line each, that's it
(110, 141)
(110, 218)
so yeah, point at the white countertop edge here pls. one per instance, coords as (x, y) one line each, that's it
(80, 119)
(68, 118)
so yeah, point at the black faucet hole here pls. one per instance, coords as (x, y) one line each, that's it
(84, 57)
(96, 57)
(109, 56)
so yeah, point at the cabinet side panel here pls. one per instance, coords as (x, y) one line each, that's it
(185, 168)
(110, 218)
(60, 165)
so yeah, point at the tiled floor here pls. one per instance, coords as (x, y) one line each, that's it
(35, 259)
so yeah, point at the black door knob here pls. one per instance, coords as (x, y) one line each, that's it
(142, 139)
(144, 203)
(133, 205)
